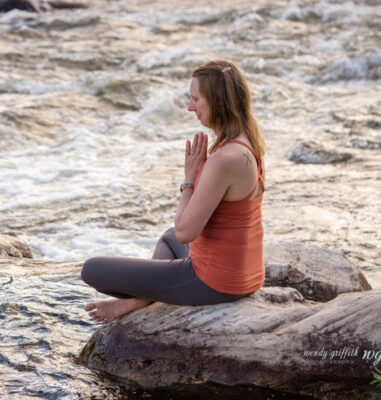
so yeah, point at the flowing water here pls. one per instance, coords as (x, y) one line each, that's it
(93, 124)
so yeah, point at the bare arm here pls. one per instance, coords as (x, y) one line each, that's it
(196, 207)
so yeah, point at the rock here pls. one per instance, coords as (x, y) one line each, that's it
(125, 94)
(314, 153)
(273, 338)
(11, 246)
(27, 5)
(66, 5)
(361, 143)
(26, 267)
(319, 274)
(37, 6)
(278, 337)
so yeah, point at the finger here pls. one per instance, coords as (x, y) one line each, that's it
(201, 143)
(194, 144)
(187, 147)
(205, 141)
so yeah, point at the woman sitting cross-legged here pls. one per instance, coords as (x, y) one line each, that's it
(214, 252)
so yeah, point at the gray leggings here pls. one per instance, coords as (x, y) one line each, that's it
(167, 277)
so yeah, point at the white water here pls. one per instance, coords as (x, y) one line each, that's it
(93, 125)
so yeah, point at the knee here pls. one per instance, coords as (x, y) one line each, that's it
(169, 232)
(168, 235)
(88, 270)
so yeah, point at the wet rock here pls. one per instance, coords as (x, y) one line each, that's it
(314, 153)
(79, 21)
(36, 6)
(317, 273)
(27, 5)
(25, 267)
(66, 5)
(360, 143)
(125, 94)
(11, 246)
(274, 338)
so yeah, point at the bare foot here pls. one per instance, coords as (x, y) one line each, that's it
(107, 310)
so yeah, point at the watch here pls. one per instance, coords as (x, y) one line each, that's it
(186, 185)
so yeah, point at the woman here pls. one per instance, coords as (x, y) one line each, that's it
(214, 253)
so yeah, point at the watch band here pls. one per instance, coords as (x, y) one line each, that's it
(186, 185)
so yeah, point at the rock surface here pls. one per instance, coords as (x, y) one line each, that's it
(36, 6)
(26, 5)
(317, 273)
(361, 143)
(314, 153)
(276, 338)
(263, 340)
(11, 246)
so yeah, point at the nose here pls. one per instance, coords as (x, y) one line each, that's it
(190, 106)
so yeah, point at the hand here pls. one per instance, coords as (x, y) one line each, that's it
(195, 156)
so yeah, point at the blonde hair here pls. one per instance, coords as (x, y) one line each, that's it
(227, 94)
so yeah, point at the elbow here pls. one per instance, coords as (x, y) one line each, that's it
(183, 236)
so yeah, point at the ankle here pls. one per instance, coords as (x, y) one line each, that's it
(140, 301)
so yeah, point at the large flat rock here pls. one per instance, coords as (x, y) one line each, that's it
(275, 339)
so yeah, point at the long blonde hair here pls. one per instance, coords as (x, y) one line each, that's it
(227, 94)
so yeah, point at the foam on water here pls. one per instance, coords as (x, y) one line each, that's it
(15, 83)
(70, 242)
(41, 176)
(200, 16)
(159, 58)
(342, 13)
(180, 15)
(159, 117)
(360, 67)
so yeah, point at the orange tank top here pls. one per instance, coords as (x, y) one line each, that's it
(228, 254)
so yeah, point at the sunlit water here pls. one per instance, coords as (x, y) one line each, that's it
(93, 125)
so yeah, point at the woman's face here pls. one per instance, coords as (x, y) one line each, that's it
(198, 103)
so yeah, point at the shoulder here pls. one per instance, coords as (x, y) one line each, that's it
(222, 156)
(233, 156)
(221, 161)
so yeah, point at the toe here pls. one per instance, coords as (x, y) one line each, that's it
(90, 306)
(93, 314)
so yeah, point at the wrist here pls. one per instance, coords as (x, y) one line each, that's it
(186, 185)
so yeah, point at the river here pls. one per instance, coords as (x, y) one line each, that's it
(93, 125)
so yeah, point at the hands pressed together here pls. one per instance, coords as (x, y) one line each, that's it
(195, 156)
